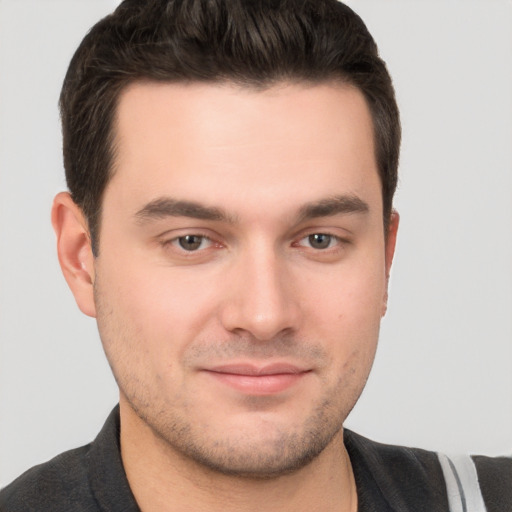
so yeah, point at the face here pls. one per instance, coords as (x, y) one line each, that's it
(242, 268)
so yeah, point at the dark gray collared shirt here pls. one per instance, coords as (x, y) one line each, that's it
(388, 478)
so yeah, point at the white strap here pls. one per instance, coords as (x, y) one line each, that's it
(462, 485)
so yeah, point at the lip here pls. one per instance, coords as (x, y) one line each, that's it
(257, 380)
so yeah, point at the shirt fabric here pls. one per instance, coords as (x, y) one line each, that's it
(388, 478)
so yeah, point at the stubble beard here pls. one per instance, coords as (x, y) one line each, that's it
(282, 450)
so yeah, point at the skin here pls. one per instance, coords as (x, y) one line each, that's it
(286, 263)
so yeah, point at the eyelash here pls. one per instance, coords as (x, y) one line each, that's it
(331, 238)
(175, 244)
(334, 243)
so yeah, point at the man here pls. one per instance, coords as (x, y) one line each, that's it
(231, 168)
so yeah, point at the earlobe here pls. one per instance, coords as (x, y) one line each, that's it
(390, 252)
(74, 251)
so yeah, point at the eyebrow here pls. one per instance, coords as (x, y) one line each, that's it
(168, 207)
(335, 205)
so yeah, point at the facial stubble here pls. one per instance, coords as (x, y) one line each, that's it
(283, 449)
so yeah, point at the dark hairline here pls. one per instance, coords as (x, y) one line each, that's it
(247, 85)
(255, 44)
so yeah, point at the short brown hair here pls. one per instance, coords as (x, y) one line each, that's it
(248, 42)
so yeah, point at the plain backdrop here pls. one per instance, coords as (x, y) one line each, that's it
(443, 374)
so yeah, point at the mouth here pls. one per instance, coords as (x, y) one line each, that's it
(258, 380)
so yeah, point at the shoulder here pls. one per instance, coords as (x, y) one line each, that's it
(413, 477)
(399, 461)
(60, 484)
(86, 479)
(495, 478)
(403, 478)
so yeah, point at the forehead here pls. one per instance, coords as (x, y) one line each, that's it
(218, 110)
(206, 141)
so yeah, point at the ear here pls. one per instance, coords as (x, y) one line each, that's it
(74, 250)
(390, 252)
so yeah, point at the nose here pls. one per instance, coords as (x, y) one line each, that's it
(260, 298)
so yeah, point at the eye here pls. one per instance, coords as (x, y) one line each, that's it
(192, 243)
(319, 241)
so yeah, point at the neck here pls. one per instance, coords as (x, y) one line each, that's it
(162, 479)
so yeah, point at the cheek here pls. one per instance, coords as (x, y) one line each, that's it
(140, 334)
(159, 309)
(347, 312)
(352, 295)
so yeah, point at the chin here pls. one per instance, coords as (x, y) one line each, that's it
(262, 449)
(262, 459)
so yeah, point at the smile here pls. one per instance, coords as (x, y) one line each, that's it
(253, 380)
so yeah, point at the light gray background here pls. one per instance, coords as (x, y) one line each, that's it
(443, 374)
